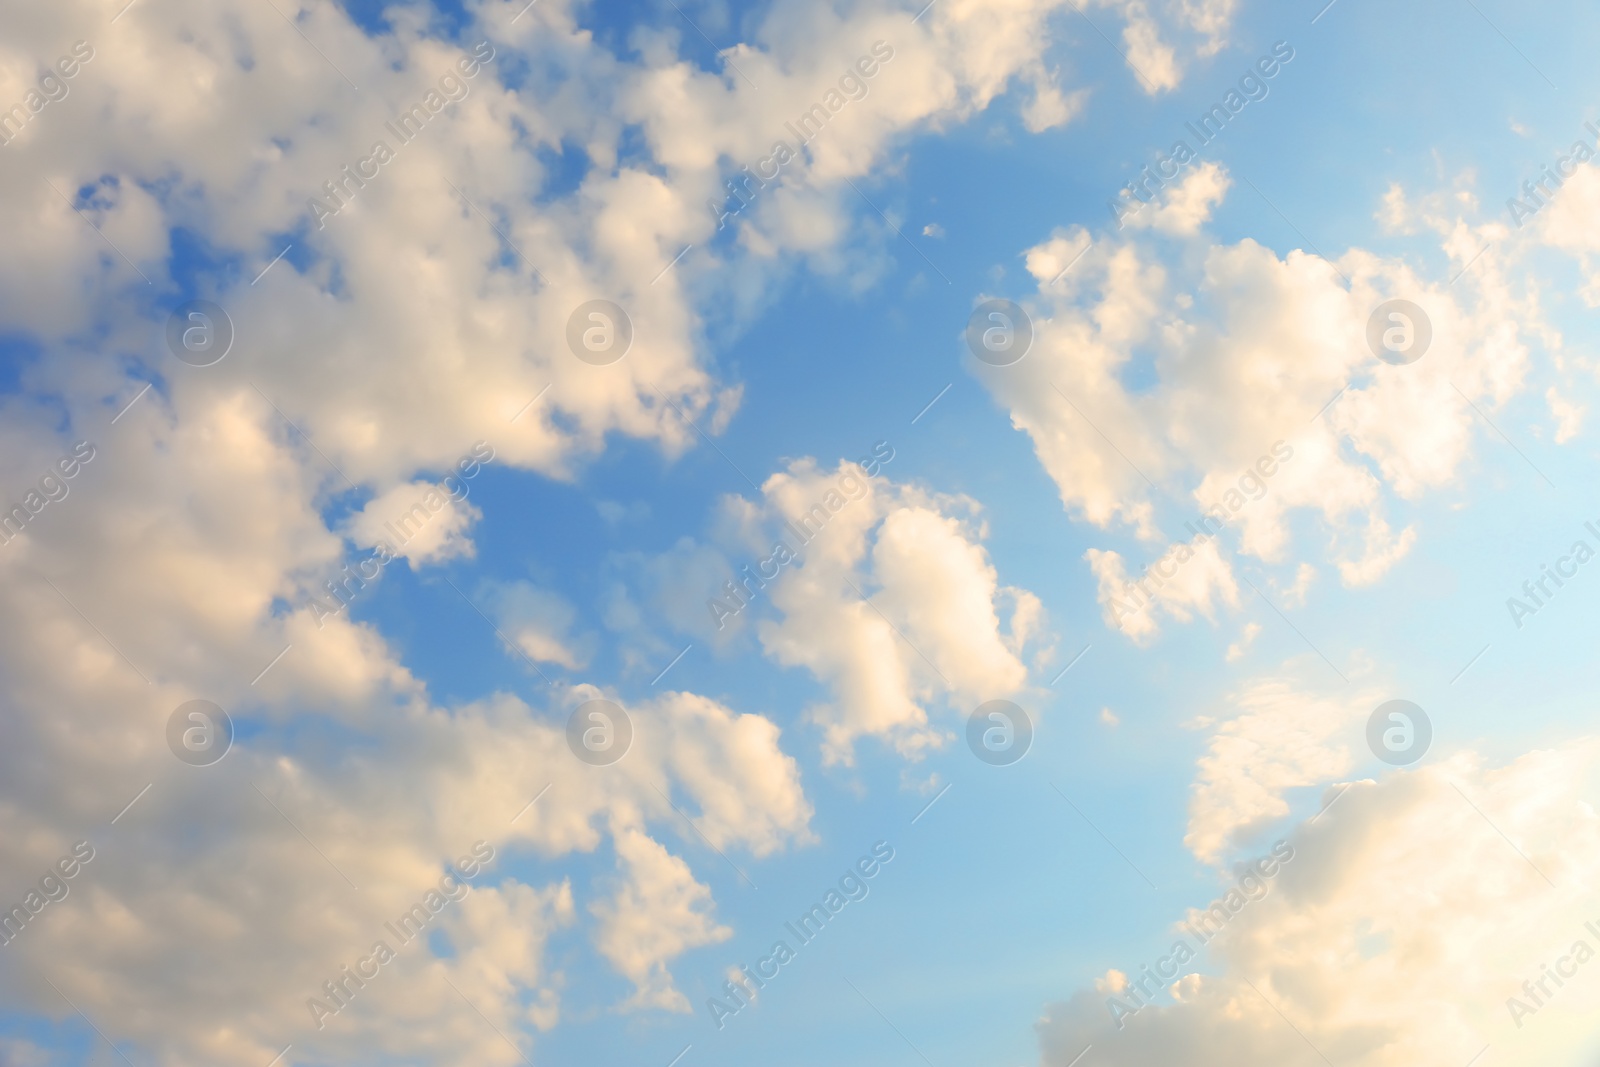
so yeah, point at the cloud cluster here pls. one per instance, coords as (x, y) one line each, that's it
(371, 348)
(881, 591)
(1280, 737)
(1399, 934)
(1164, 365)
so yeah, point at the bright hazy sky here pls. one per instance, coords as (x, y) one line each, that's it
(971, 479)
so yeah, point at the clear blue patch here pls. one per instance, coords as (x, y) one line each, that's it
(198, 266)
(246, 730)
(17, 353)
(441, 631)
(514, 70)
(1140, 373)
(368, 14)
(71, 1041)
(613, 23)
(564, 170)
(295, 248)
(447, 17)
(703, 29)
(633, 147)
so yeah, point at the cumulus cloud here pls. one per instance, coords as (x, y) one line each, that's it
(504, 933)
(1050, 106)
(1237, 350)
(1571, 223)
(296, 852)
(882, 591)
(1568, 415)
(1201, 580)
(418, 521)
(1399, 933)
(885, 594)
(372, 345)
(1189, 204)
(657, 912)
(1154, 60)
(1281, 737)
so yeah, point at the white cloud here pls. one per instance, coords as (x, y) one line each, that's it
(656, 913)
(1210, 17)
(540, 622)
(420, 784)
(746, 789)
(419, 521)
(1238, 351)
(1188, 205)
(893, 605)
(1294, 594)
(1567, 414)
(1247, 637)
(882, 591)
(1396, 936)
(1281, 738)
(505, 931)
(1200, 580)
(1570, 222)
(1050, 107)
(1155, 61)
(425, 315)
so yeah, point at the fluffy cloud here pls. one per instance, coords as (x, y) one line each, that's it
(419, 521)
(1399, 934)
(295, 860)
(1237, 350)
(371, 346)
(881, 591)
(174, 563)
(1281, 738)
(1187, 205)
(1200, 580)
(456, 252)
(504, 932)
(1571, 223)
(657, 912)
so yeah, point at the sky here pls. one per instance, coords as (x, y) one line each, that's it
(984, 534)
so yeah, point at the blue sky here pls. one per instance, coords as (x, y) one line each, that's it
(370, 747)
